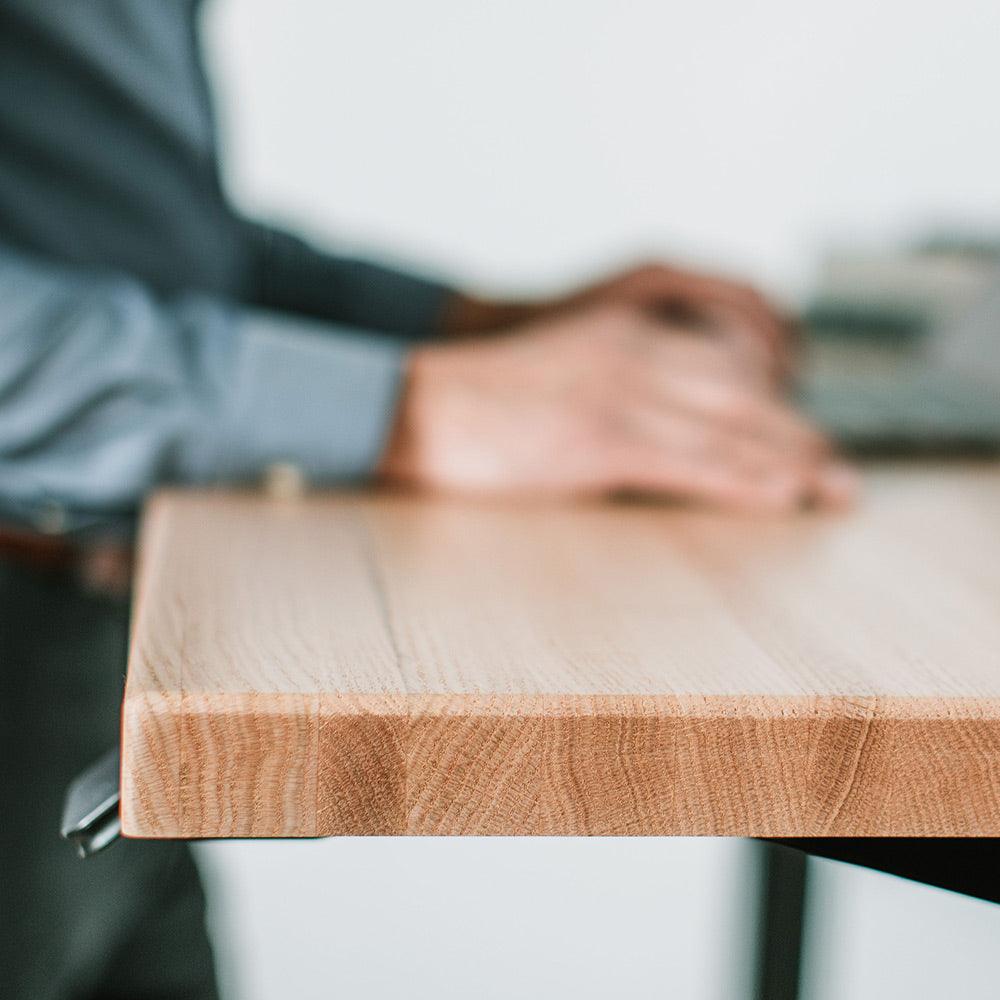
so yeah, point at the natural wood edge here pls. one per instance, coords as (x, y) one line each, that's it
(262, 767)
(238, 765)
(693, 706)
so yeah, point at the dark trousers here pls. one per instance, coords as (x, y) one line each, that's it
(128, 923)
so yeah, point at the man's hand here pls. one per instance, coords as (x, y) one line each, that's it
(603, 400)
(753, 326)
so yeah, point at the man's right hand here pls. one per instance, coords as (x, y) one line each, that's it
(600, 401)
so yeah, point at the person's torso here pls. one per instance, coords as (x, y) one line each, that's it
(107, 143)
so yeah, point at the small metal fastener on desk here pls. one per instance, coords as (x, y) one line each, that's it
(90, 812)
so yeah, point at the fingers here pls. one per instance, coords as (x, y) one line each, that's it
(644, 470)
(685, 423)
(719, 301)
(724, 397)
(691, 439)
(652, 281)
(727, 480)
(837, 485)
(753, 413)
(684, 455)
(767, 363)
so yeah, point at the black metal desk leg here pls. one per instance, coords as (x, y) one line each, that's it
(780, 922)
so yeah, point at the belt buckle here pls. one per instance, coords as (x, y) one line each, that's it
(90, 818)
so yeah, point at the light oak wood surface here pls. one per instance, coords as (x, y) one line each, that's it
(378, 664)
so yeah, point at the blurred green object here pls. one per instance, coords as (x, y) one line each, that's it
(901, 357)
(828, 318)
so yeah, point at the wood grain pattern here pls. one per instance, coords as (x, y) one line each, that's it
(366, 664)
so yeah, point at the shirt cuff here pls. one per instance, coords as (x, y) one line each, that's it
(319, 398)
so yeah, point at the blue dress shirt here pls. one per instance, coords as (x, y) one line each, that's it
(148, 333)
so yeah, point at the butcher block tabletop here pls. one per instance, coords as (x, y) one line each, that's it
(357, 664)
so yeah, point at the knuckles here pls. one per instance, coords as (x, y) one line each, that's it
(614, 329)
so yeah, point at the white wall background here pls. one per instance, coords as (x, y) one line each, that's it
(519, 146)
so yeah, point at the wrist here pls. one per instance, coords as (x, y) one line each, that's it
(465, 315)
(400, 460)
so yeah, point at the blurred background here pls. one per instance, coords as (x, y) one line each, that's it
(520, 147)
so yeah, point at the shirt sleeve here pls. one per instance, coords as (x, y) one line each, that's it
(290, 275)
(107, 390)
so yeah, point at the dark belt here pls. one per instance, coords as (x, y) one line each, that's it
(101, 566)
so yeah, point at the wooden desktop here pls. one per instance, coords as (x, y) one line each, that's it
(349, 664)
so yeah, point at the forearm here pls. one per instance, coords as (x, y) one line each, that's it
(109, 391)
(290, 275)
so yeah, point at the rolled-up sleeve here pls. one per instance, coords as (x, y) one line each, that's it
(107, 390)
(288, 274)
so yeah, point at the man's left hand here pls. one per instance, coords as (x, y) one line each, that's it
(722, 307)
